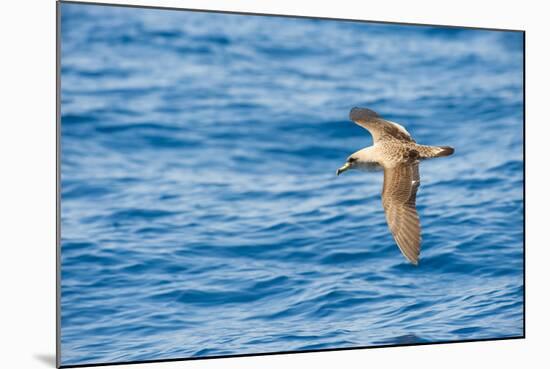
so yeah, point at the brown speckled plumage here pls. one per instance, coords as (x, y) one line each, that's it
(399, 155)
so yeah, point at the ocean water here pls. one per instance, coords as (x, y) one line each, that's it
(200, 210)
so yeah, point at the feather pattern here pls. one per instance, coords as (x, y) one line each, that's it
(399, 200)
(399, 155)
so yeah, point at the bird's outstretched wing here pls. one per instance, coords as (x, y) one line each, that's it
(399, 200)
(379, 128)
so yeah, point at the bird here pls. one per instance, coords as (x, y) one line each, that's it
(398, 154)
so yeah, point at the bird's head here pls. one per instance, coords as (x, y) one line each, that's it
(350, 163)
(364, 160)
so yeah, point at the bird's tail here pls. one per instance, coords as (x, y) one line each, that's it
(427, 152)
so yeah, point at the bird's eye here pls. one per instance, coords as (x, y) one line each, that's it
(351, 160)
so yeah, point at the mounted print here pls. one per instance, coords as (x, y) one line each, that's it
(237, 184)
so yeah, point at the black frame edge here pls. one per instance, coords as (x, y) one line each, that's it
(58, 183)
(524, 187)
(291, 352)
(285, 15)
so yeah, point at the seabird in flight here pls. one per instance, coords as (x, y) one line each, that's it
(398, 155)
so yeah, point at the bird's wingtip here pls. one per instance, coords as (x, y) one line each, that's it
(445, 151)
(413, 259)
(358, 113)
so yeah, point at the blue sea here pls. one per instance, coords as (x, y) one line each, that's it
(200, 210)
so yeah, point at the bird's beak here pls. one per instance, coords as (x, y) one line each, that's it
(343, 168)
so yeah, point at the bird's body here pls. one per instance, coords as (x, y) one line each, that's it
(398, 155)
(391, 153)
